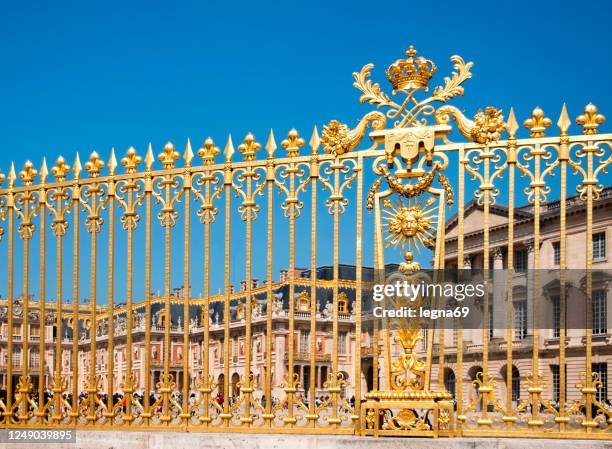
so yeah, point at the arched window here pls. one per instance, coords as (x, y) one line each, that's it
(516, 384)
(343, 304)
(449, 381)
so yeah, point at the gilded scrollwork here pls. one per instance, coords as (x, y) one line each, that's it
(338, 139)
(486, 127)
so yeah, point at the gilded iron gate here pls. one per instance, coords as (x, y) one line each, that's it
(299, 353)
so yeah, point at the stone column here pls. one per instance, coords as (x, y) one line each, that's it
(499, 290)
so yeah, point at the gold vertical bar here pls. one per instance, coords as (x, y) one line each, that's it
(186, 300)
(291, 386)
(42, 317)
(59, 231)
(24, 389)
(128, 381)
(358, 292)
(270, 178)
(226, 415)
(168, 378)
(563, 157)
(148, 230)
(314, 174)
(76, 198)
(110, 370)
(590, 183)
(247, 390)
(334, 419)
(10, 299)
(206, 315)
(460, 265)
(486, 155)
(537, 152)
(511, 160)
(92, 389)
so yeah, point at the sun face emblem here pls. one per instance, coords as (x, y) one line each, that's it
(410, 225)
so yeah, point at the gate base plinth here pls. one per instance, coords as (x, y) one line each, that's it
(408, 413)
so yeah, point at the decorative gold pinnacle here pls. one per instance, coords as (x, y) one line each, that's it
(77, 168)
(271, 145)
(149, 158)
(94, 165)
(564, 121)
(112, 163)
(169, 156)
(590, 120)
(293, 143)
(315, 140)
(44, 171)
(209, 151)
(249, 147)
(12, 177)
(229, 151)
(28, 173)
(131, 161)
(188, 154)
(60, 170)
(537, 123)
(2, 178)
(512, 125)
(411, 73)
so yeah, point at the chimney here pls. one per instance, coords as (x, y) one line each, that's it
(243, 285)
(231, 289)
(284, 275)
(255, 283)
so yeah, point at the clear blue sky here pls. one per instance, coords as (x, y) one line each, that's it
(78, 76)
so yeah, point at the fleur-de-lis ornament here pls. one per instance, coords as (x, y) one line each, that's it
(2, 178)
(538, 123)
(169, 156)
(293, 143)
(28, 173)
(60, 170)
(94, 165)
(590, 120)
(131, 161)
(208, 152)
(249, 147)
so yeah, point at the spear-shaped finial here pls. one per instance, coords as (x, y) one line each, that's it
(77, 167)
(112, 162)
(149, 158)
(44, 171)
(188, 155)
(315, 141)
(229, 151)
(564, 121)
(271, 145)
(512, 125)
(12, 176)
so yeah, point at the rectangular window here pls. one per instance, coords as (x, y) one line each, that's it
(599, 245)
(342, 343)
(520, 320)
(602, 372)
(557, 253)
(600, 312)
(491, 327)
(520, 260)
(556, 383)
(424, 340)
(556, 303)
(304, 341)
